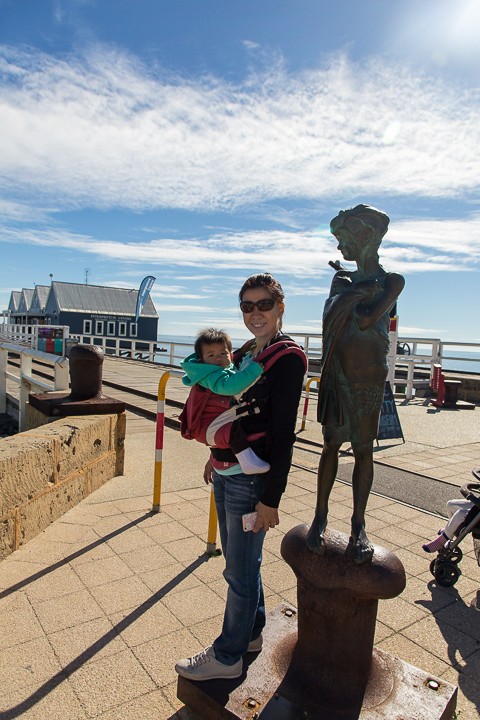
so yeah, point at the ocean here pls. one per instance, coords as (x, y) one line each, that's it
(454, 360)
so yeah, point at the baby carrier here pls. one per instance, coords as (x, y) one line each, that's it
(445, 567)
(191, 415)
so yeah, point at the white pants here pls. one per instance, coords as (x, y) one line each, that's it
(457, 512)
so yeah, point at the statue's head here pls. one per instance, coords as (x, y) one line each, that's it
(364, 223)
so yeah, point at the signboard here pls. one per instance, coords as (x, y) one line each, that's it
(389, 426)
(50, 339)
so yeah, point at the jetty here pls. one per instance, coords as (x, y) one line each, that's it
(111, 591)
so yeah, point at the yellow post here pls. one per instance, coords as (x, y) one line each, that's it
(307, 393)
(212, 527)
(160, 429)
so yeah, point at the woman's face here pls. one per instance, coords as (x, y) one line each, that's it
(263, 324)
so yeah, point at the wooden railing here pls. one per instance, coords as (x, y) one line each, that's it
(25, 380)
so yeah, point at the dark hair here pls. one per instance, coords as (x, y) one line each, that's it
(211, 336)
(266, 281)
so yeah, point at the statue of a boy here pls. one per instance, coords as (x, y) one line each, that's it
(354, 366)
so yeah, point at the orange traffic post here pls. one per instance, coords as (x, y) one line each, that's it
(307, 393)
(160, 430)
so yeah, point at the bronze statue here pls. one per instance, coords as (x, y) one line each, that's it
(354, 366)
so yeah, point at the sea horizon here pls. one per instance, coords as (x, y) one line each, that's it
(449, 363)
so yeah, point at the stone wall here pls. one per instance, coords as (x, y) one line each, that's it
(48, 469)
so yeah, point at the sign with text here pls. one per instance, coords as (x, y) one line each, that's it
(389, 425)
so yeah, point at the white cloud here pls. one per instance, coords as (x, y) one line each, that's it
(105, 131)
(411, 246)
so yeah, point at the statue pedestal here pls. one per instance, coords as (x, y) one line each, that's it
(325, 667)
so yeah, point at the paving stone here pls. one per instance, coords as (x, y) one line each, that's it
(92, 638)
(67, 611)
(110, 682)
(34, 702)
(32, 661)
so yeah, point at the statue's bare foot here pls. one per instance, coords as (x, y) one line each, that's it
(362, 548)
(315, 540)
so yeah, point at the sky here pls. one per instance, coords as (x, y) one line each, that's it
(202, 141)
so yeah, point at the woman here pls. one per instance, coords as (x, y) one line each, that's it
(271, 430)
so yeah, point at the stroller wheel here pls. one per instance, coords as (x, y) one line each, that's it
(446, 573)
(432, 566)
(455, 555)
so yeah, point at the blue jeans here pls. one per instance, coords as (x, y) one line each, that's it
(244, 617)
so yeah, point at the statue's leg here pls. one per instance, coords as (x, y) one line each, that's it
(362, 480)
(327, 472)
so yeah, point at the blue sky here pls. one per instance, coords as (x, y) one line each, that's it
(201, 141)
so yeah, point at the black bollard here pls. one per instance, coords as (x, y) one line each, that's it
(86, 367)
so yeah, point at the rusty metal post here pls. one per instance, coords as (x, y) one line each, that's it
(86, 368)
(337, 609)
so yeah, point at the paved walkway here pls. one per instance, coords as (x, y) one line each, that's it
(95, 611)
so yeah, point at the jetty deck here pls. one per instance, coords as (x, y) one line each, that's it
(95, 611)
(441, 444)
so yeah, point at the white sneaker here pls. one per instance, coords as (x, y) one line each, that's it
(205, 666)
(255, 646)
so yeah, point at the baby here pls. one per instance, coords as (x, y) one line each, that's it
(214, 380)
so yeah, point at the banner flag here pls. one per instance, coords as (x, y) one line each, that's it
(145, 287)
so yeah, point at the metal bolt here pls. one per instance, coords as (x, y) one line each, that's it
(433, 684)
(252, 703)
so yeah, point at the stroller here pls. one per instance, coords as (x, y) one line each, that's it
(445, 567)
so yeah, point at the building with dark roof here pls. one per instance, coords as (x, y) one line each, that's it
(88, 310)
(14, 302)
(23, 307)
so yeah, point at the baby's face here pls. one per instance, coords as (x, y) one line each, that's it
(216, 354)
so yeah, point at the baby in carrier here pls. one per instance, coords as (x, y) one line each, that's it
(214, 381)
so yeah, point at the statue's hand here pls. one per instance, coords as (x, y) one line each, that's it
(340, 283)
(369, 289)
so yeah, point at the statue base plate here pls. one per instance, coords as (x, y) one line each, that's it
(395, 691)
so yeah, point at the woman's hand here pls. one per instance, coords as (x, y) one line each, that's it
(207, 472)
(267, 517)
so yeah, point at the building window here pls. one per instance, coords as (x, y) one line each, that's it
(122, 329)
(110, 328)
(99, 327)
(87, 327)
(133, 329)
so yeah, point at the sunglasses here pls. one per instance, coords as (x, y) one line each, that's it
(262, 305)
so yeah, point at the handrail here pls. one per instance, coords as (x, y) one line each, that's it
(25, 380)
(120, 346)
(110, 344)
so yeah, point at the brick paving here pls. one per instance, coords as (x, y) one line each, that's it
(95, 611)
